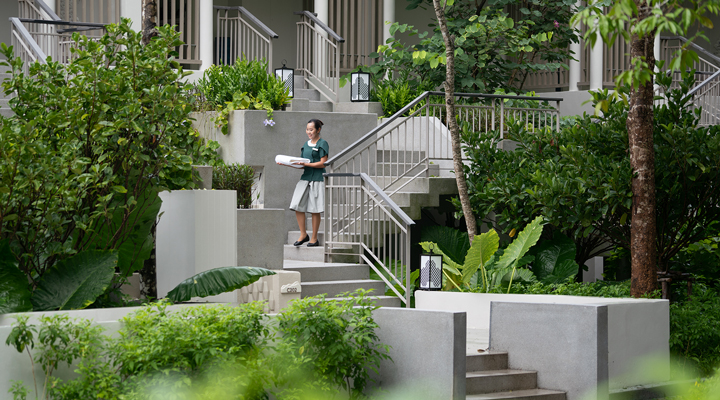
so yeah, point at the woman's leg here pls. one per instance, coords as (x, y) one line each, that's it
(315, 227)
(301, 224)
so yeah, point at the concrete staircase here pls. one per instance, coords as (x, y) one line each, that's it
(488, 378)
(309, 99)
(5, 110)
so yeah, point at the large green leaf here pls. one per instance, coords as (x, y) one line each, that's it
(216, 281)
(554, 259)
(137, 242)
(482, 249)
(453, 243)
(525, 240)
(76, 282)
(14, 290)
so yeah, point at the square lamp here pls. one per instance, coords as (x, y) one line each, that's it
(430, 272)
(360, 86)
(287, 75)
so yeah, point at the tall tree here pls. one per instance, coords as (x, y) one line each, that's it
(451, 121)
(644, 18)
(149, 20)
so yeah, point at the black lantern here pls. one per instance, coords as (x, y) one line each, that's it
(430, 272)
(359, 86)
(287, 75)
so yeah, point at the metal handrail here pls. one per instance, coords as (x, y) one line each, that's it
(252, 19)
(702, 85)
(365, 177)
(694, 46)
(417, 101)
(321, 24)
(48, 10)
(28, 40)
(67, 23)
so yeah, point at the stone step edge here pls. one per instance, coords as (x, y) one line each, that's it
(498, 372)
(515, 394)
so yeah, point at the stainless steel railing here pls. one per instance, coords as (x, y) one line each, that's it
(360, 216)
(318, 57)
(236, 36)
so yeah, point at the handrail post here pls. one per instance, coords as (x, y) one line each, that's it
(337, 74)
(502, 119)
(407, 266)
(492, 113)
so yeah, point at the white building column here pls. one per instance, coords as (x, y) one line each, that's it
(575, 48)
(51, 4)
(206, 34)
(322, 10)
(388, 16)
(132, 9)
(596, 64)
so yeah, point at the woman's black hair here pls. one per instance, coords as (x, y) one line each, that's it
(318, 124)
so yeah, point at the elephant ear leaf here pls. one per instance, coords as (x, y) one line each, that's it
(482, 249)
(525, 240)
(76, 282)
(448, 263)
(14, 290)
(453, 243)
(550, 255)
(216, 281)
(565, 270)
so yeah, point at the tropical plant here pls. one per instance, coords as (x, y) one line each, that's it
(486, 268)
(579, 179)
(215, 281)
(695, 330)
(238, 177)
(84, 157)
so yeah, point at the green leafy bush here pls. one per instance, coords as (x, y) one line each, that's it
(394, 94)
(695, 330)
(335, 340)
(238, 177)
(592, 289)
(89, 147)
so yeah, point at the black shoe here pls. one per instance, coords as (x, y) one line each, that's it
(316, 244)
(300, 242)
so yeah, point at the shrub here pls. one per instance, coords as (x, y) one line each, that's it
(89, 148)
(695, 330)
(238, 177)
(593, 289)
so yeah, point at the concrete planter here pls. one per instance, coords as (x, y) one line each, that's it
(261, 235)
(577, 344)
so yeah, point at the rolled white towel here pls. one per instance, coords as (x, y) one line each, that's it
(289, 160)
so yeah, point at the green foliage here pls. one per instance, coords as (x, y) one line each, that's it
(394, 94)
(238, 177)
(491, 49)
(554, 259)
(579, 178)
(333, 339)
(76, 282)
(90, 146)
(695, 330)
(486, 268)
(702, 258)
(703, 389)
(244, 85)
(594, 289)
(215, 281)
(452, 242)
(14, 293)
(207, 352)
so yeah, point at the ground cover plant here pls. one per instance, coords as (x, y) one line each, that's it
(316, 347)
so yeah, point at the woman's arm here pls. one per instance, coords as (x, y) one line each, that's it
(319, 164)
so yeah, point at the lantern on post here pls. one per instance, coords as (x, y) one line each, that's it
(430, 271)
(360, 86)
(287, 75)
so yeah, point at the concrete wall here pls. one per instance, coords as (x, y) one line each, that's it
(566, 343)
(8, 9)
(639, 328)
(250, 142)
(427, 351)
(196, 232)
(260, 237)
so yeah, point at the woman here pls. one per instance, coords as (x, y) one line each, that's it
(309, 195)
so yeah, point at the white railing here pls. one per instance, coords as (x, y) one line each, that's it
(184, 15)
(24, 45)
(235, 37)
(361, 179)
(706, 97)
(318, 58)
(95, 11)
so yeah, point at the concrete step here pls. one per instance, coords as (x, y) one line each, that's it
(400, 155)
(502, 380)
(334, 288)
(317, 254)
(418, 199)
(488, 361)
(331, 272)
(310, 94)
(320, 106)
(530, 394)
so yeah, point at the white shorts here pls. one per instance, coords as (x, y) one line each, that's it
(309, 197)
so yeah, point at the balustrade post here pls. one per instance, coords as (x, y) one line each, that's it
(132, 9)
(205, 51)
(574, 65)
(597, 65)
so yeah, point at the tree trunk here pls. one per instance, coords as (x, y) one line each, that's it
(643, 231)
(149, 20)
(451, 121)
